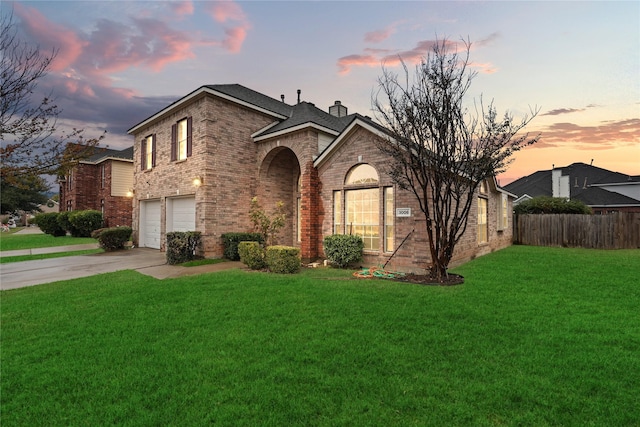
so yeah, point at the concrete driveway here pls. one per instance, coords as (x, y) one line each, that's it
(150, 262)
(29, 273)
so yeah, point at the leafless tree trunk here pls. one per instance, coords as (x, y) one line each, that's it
(441, 151)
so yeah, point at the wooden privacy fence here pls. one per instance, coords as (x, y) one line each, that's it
(620, 230)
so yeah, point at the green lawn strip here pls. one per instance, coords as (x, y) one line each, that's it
(535, 336)
(5, 260)
(205, 261)
(11, 242)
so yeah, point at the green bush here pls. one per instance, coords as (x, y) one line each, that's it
(48, 223)
(112, 239)
(343, 249)
(252, 254)
(283, 259)
(231, 241)
(552, 205)
(182, 246)
(65, 224)
(83, 223)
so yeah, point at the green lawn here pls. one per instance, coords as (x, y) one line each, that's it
(11, 242)
(535, 337)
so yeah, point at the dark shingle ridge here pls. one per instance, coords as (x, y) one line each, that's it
(252, 97)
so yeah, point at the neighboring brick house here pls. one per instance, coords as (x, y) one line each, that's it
(603, 190)
(199, 161)
(102, 182)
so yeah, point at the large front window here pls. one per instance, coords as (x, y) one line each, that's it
(363, 216)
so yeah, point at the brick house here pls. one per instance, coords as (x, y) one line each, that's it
(102, 182)
(199, 161)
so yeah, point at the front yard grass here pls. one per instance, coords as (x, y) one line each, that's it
(11, 242)
(534, 337)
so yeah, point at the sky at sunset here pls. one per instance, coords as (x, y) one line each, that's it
(578, 62)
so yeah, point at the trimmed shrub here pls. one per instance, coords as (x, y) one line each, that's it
(343, 249)
(231, 241)
(182, 246)
(65, 224)
(252, 255)
(85, 222)
(552, 205)
(48, 223)
(283, 259)
(112, 239)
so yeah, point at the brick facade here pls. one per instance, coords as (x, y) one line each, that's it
(235, 166)
(89, 186)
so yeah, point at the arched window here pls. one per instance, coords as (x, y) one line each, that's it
(362, 174)
(363, 209)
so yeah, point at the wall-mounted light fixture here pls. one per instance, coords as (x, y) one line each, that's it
(197, 181)
(131, 192)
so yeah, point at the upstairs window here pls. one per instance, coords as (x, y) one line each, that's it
(148, 152)
(181, 139)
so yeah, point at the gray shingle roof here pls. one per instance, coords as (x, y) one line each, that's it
(101, 154)
(252, 97)
(581, 177)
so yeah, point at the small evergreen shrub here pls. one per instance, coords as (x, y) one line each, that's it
(231, 241)
(552, 205)
(182, 246)
(283, 259)
(48, 223)
(112, 239)
(343, 249)
(85, 222)
(252, 254)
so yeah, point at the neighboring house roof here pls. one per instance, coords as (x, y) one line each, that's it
(595, 196)
(583, 182)
(536, 184)
(103, 154)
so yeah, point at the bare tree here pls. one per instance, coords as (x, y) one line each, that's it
(440, 150)
(27, 128)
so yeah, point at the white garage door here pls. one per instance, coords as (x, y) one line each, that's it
(181, 214)
(150, 224)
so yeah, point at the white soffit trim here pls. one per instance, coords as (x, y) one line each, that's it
(264, 129)
(338, 141)
(196, 93)
(296, 128)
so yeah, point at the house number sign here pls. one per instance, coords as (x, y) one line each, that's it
(403, 212)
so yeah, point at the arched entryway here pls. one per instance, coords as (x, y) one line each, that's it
(279, 180)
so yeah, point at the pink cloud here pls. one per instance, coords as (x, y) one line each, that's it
(378, 36)
(225, 12)
(605, 135)
(346, 62)
(375, 58)
(234, 38)
(182, 8)
(50, 36)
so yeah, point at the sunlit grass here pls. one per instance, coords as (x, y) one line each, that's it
(535, 336)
